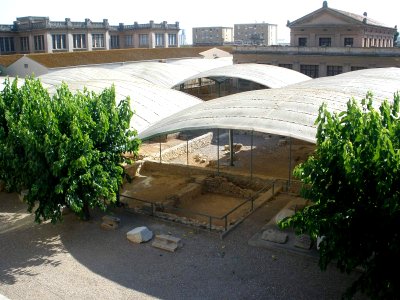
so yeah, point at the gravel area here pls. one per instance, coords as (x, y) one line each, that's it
(79, 260)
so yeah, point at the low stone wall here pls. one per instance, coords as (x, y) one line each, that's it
(254, 183)
(181, 149)
(221, 185)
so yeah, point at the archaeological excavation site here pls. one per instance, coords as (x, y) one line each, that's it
(194, 178)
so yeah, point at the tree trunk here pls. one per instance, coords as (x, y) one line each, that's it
(85, 210)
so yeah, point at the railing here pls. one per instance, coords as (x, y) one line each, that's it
(6, 27)
(225, 218)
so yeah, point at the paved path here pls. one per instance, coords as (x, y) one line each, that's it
(79, 260)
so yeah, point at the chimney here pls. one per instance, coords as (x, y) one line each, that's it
(325, 4)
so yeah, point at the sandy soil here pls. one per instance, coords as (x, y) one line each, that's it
(267, 156)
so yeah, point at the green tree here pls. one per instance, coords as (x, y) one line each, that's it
(65, 150)
(353, 181)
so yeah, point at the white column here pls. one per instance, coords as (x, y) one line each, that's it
(152, 40)
(89, 41)
(48, 43)
(166, 44)
(70, 42)
(107, 40)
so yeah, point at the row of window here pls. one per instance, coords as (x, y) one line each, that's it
(326, 42)
(313, 70)
(367, 42)
(59, 42)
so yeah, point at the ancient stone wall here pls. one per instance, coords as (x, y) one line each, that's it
(181, 149)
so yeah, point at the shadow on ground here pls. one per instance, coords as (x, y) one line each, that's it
(104, 264)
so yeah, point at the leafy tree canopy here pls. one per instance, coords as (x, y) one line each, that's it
(353, 181)
(65, 150)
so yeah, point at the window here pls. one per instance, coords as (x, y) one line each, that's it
(7, 44)
(310, 70)
(172, 40)
(128, 40)
(143, 40)
(39, 42)
(24, 43)
(79, 41)
(114, 42)
(325, 42)
(287, 66)
(98, 40)
(59, 41)
(334, 70)
(159, 39)
(356, 68)
(302, 42)
(348, 42)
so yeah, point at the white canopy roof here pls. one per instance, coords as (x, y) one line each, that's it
(267, 75)
(289, 111)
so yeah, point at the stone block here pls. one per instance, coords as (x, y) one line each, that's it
(110, 222)
(275, 236)
(111, 219)
(139, 235)
(167, 242)
(286, 212)
(109, 226)
(303, 241)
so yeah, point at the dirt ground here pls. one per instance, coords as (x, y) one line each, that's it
(269, 156)
(80, 260)
(262, 155)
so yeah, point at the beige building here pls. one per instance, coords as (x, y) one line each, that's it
(212, 36)
(329, 27)
(328, 42)
(256, 34)
(40, 35)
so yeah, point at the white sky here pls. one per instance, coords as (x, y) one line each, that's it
(193, 13)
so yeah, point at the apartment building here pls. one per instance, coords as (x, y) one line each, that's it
(256, 34)
(212, 36)
(40, 35)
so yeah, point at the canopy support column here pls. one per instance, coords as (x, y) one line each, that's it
(187, 150)
(218, 151)
(231, 147)
(290, 162)
(160, 148)
(251, 156)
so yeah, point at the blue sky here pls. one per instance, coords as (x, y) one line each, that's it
(193, 13)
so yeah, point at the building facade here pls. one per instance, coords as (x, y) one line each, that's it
(256, 34)
(212, 36)
(319, 61)
(40, 35)
(329, 27)
(328, 42)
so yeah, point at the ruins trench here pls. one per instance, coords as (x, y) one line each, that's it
(190, 187)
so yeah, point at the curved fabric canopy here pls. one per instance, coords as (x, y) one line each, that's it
(150, 103)
(289, 111)
(171, 73)
(267, 75)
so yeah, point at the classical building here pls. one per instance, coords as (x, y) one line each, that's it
(212, 36)
(256, 34)
(40, 35)
(328, 42)
(329, 27)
